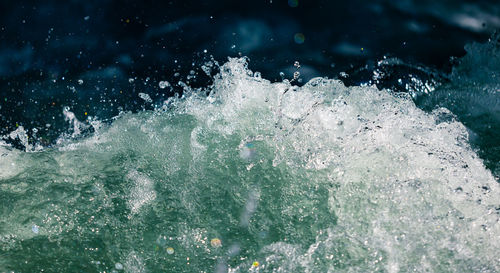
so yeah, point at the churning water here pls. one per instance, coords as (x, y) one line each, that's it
(259, 177)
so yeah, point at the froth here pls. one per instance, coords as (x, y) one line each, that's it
(403, 180)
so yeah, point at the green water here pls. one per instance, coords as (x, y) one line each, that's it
(321, 178)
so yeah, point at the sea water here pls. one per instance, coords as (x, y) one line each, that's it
(255, 177)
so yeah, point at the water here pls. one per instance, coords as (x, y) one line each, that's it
(258, 177)
(473, 95)
(350, 140)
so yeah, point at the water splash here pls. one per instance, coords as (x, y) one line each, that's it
(336, 179)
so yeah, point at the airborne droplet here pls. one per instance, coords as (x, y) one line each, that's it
(163, 84)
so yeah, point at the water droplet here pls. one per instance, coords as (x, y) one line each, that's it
(145, 97)
(343, 74)
(163, 84)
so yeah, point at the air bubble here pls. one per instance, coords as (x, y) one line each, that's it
(216, 242)
(170, 250)
(119, 266)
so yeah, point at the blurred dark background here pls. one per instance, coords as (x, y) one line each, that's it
(96, 56)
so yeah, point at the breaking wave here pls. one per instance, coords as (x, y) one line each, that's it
(255, 176)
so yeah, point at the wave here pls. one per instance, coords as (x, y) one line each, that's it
(318, 178)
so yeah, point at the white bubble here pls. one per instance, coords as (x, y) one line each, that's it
(35, 229)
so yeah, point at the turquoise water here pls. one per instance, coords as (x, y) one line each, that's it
(255, 177)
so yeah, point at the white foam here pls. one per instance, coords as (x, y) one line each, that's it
(142, 193)
(21, 134)
(401, 170)
(77, 126)
(134, 263)
(9, 164)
